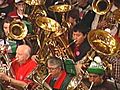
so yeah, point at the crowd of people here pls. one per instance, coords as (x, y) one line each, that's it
(24, 56)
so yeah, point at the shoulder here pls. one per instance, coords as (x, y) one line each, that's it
(66, 82)
(33, 61)
(13, 14)
(109, 85)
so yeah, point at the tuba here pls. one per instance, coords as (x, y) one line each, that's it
(5, 62)
(18, 30)
(102, 42)
(106, 47)
(101, 7)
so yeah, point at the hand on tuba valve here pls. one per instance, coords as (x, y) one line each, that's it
(102, 24)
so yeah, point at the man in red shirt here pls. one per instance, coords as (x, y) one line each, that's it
(22, 67)
(58, 78)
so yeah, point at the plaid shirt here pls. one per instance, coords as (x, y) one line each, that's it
(116, 68)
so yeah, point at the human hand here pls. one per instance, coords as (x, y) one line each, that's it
(103, 24)
(34, 57)
(4, 77)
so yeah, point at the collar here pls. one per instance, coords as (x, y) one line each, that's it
(59, 81)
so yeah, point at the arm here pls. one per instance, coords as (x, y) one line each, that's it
(12, 81)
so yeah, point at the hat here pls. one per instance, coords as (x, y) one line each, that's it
(96, 66)
(17, 1)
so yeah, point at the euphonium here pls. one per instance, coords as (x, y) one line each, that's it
(18, 30)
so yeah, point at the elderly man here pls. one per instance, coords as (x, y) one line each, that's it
(21, 68)
(58, 79)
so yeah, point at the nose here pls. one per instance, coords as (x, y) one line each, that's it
(92, 79)
(49, 70)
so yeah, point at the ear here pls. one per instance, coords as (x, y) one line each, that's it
(15, 5)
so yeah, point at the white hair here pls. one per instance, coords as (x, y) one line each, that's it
(26, 49)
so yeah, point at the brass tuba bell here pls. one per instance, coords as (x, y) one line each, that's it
(101, 7)
(103, 42)
(35, 2)
(18, 30)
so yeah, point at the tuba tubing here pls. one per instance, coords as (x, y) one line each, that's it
(91, 86)
(45, 84)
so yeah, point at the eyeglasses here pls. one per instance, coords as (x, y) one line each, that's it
(52, 68)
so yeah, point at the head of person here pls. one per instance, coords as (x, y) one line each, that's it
(79, 33)
(83, 3)
(117, 3)
(96, 71)
(6, 25)
(54, 66)
(20, 5)
(23, 53)
(73, 17)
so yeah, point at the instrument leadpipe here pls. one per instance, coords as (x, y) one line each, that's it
(70, 44)
(91, 86)
(45, 84)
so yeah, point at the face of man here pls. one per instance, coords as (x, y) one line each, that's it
(20, 6)
(54, 70)
(78, 37)
(83, 3)
(72, 22)
(21, 55)
(97, 79)
(6, 28)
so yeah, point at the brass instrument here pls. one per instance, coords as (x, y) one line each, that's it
(35, 8)
(60, 8)
(55, 35)
(37, 75)
(35, 2)
(48, 24)
(5, 64)
(77, 84)
(102, 42)
(105, 45)
(101, 7)
(91, 86)
(18, 30)
(45, 84)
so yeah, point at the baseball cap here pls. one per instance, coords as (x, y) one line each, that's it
(17, 1)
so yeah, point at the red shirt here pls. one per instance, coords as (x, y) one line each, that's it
(117, 38)
(13, 14)
(21, 72)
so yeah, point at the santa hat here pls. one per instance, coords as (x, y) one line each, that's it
(17, 1)
(96, 66)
